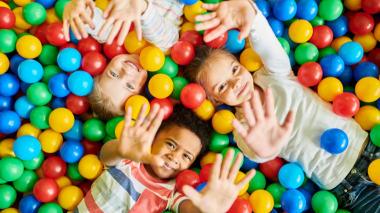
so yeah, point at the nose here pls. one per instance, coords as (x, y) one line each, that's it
(236, 83)
(127, 72)
(174, 156)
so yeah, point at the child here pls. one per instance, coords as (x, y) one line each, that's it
(141, 180)
(227, 81)
(157, 20)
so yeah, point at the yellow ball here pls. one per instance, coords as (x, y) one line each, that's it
(368, 89)
(70, 197)
(245, 196)
(238, 178)
(63, 182)
(160, 86)
(61, 120)
(136, 102)
(367, 117)
(152, 58)
(329, 88)
(6, 148)
(261, 201)
(51, 16)
(10, 210)
(3, 4)
(90, 166)
(19, 31)
(4, 63)
(51, 141)
(377, 32)
(338, 42)
(300, 31)
(32, 30)
(29, 47)
(222, 121)
(353, 5)
(208, 158)
(250, 60)
(191, 11)
(133, 45)
(205, 111)
(28, 129)
(119, 128)
(186, 27)
(20, 21)
(102, 4)
(22, 3)
(374, 171)
(39, 173)
(367, 41)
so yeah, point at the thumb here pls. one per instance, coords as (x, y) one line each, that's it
(192, 194)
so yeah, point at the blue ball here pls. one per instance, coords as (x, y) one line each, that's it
(24, 107)
(264, 7)
(27, 147)
(75, 133)
(351, 52)
(69, 59)
(58, 103)
(307, 196)
(334, 141)
(72, 151)
(291, 176)
(15, 62)
(46, 3)
(293, 201)
(378, 103)
(233, 45)
(73, 39)
(332, 66)
(188, 2)
(272, 2)
(292, 58)
(24, 86)
(201, 186)
(29, 204)
(307, 9)
(9, 84)
(30, 71)
(80, 83)
(148, 94)
(58, 85)
(273, 211)
(284, 10)
(339, 26)
(223, 107)
(285, 35)
(231, 139)
(248, 164)
(310, 187)
(6, 103)
(366, 69)
(346, 76)
(10, 122)
(276, 25)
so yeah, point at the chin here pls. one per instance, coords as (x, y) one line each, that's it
(163, 173)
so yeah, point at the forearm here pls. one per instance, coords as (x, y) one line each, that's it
(188, 207)
(109, 154)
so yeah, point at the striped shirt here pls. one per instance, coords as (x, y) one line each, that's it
(127, 187)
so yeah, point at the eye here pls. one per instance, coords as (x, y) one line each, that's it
(171, 145)
(113, 74)
(186, 156)
(129, 86)
(222, 87)
(234, 69)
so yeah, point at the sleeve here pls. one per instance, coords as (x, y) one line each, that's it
(98, 22)
(266, 45)
(175, 201)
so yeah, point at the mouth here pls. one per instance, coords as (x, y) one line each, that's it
(168, 167)
(244, 88)
(133, 65)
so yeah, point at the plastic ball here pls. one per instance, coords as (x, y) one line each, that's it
(178, 84)
(34, 163)
(58, 85)
(68, 45)
(334, 141)
(346, 105)
(240, 205)
(193, 96)
(77, 104)
(276, 190)
(205, 111)
(329, 88)
(8, 41)
(361, 23)
(205, 173)
(94, 130)
(91, 147)
(373, 171)
(347, 76)
(330, 10)
(46, 3)
(20, 21)
(291, 176)
(119, 128)
(261, 201)
(58, 103)
(240, 177)
(187, 177)
(27, 147)
(50, 208)
(69, 59)
(306, 10)
(161, 86)
(182, 53)
(89, 44)
(191, 11)
(10, 122)
(366, 69)
(368, 89)
(75, 133)
(233, 44)
(222, 121)
(38, 94)
(322, 36)
(9, 85)
(28, 129)
(85, 187)
(46, 190)
(367, 117)
(29, 203)
(306, 52)
(248, 164)
(152, 58)
(324, 201)
(351, 53)
(54, 34)
(48, 55)
(136, 102)
(80, 83)
(285, 10)
(111, 125)
(6, 103)
(72, 151)
(93, 63)
(49, 71)
(7, 196)
(367, 41)
(300, 31)
(170, 68)
(257, 182)
(285, 35)
(208, 158)
(310, 74)
(54, 167)
(339, 26)
(61, 120)
(370, 6)
(338, 42)
(193, 37)
(165, 104)
(23, 107)
(70, 197)
(11, 168)
(332, 66)
(218, 142)
(90, 167)
(236, 150)
(293, 201)
(112, 50)
(276, 25)
(34, 13)
(73, 172)
(7, 18)
(133, 45)
(4, 63)
(40, 33)
(250, 60)
(51, 141)
(271, 168)
(374, 135)
(217, 42)
(352, 5)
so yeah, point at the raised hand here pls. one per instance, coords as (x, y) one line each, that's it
(265, 136)
(221, 190)
(73, 16)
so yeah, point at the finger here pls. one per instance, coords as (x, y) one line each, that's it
(141, 116)
(75, 30)
(211, 7)
(88, 20)
(235, 167)
(248, 177)
(115, 30)
(107, 11)
(239, 128)
(289, 122)
(92, 6)
(66, 30)
(138, 29)
(106, 25)
(248, 114)
(244, 31)
(81, 27)
(215, 33)
(258, 111)
(192, 194)
(215, 170)
(269, 103)
(123, 33)
(151, 116)
(156, 122)
(207, 25)
(127, 118)
(227, 164)
(205, 17)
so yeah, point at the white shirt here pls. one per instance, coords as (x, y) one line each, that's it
(313, 115)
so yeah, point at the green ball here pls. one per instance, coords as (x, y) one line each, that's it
(8, 196)
(342, 211)
(317, 21)
(107, 138)
(34, 13)
(257, 182)
(26, 182)
(11, 168)
(2, 181)
(50, 208)
(218, 142)
(375, 135)
(38, 94)
(212, 1)
(276, 190)
(306, 52)
(289, 22)
(237, 151)
(49, 71)
(326, 51)
(8, 41)
(111, 126)
(13, 31)
(151, 74)
(330, 10)
(167, 212)
(324, 202)
(199, 22)
(12, 5)
(35, 163)
(362, 103)
(60, 7)
(178, 84)
(305, 178)
(285, 44)
(170, 68)
(94, 129)
(197, 170)
(39, 117)
(348, 89)
(48, 55)
(73, 171)
(22, 34)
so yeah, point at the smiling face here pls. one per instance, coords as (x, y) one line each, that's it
(123, 77)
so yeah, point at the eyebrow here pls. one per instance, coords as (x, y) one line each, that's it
(178, 145)
(214, 87)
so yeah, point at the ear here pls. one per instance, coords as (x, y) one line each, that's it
(217, 103)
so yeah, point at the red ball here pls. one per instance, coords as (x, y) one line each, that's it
(40, 33)
(112, 50)
(187, 177)
(182, 53)
(374, 56)
(46, 190)
(89, 44)
(54, 167)
(193, 37)
(348, 14)
(85, 187)
(93, 63)
(310, 74)
(54, 34)
(346, 105)
(77, 104)
(2, 135)
(271, 168)
(68, 45)
(361, 23)
(217, 42)
(7, 18)
(193, 96)
(91, 147)
(165, 104)
(322, 36)
(240, 205)
(364, 59)
(205, 172)
(371, 6)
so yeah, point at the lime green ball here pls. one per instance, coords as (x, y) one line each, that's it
(26, 182)
(170, 68)
(375, 135)
(39, 117)
(73, 171)
(49, 71)
(348, 89)
(324, 202)
(13, 31)
(289, 22)
(285, 44)
(12, 5)
(8, 196)
(330, 10)
(11, 168)
(50, 208)
(111, 126)
(2, 181)
(257, 182)
(237, 151)
(22, 34)
(39, 94)
(35, 163)
(8, 41)
(317, 21)
(276, 190)
(218, 142)
(326, 51)
(197, 170)
(34, 13)
(306, 52)
(342, 211)
(107, 138)
(60, 7)
(48, 55)
(178, 84)
(94, 129)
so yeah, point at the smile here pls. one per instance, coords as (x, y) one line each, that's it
(133, 65)
(244, 88)
(168, 167)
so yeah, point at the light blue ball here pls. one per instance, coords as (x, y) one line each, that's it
(276, 25)
(189, 2)
(69, 59)
(46, 3)
(332, 66)
(307, 9)
(71, 151)
(58, 85)
(366, 69)
(351, 52)
(24, 107)
(30, 71)
(291, 176)
(334, 141)
(346, 76)
(284, 10)
(339, 26)
(26, 147)
(80, 83)
(293, 201)
(233, 45)
(75, 133)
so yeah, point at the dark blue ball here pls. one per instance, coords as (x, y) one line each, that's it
(276, 25)
(346, 76)
(334, 141)
(58, 85)
(9, 84)
(46, 3)
(24, 86)
(339, 26)
(58, 103)
(15, 62)
(10, 122)
(231, 139)
(264, 7)
(6, 103)
(284, 10)
(29, 204)
(307, 9)
(332, 66)
(293, 201)
(366, 69)
(307, 196)
(310, 187)
(248, 164)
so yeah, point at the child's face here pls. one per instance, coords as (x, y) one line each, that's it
(123, 77)
(179, 147)
(227, 81)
